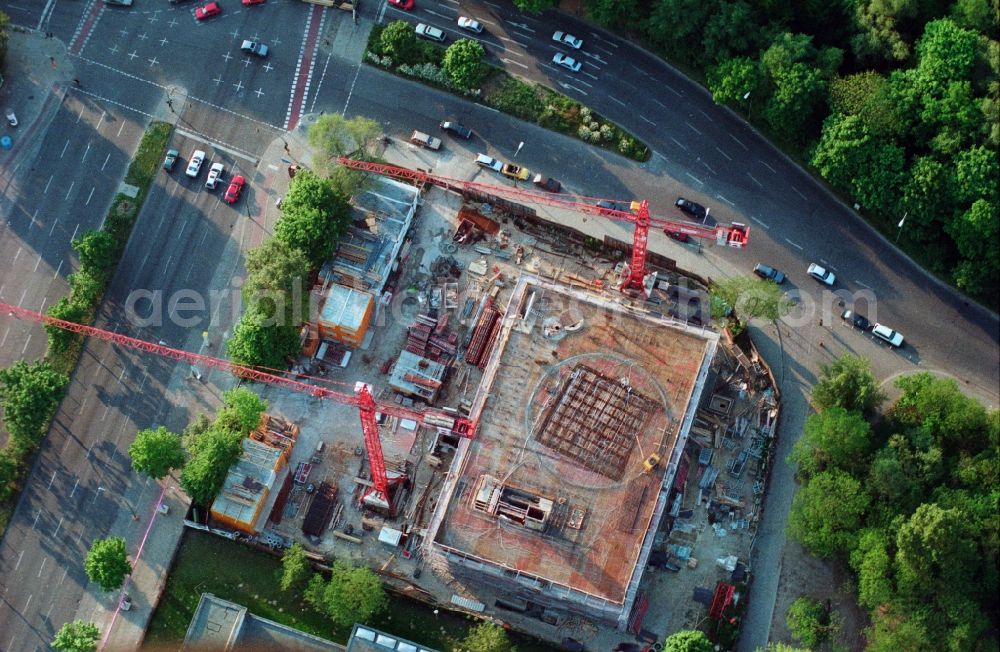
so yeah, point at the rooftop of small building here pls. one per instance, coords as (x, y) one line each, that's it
(243, 489)
(569, 422)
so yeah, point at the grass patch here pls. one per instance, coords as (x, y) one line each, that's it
(514, 96)
(207, 563)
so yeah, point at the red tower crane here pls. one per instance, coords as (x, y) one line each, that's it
(733, 235)
(378, 494)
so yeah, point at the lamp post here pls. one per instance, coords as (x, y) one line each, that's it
(746, 98)
(519, 146)
(900, 225)
(135, 517)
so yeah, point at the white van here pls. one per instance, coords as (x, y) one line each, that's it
(428, 32)
(888, 335)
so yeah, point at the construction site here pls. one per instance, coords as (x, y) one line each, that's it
(504, 418)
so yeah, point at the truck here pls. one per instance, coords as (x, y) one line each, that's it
(425, 140)
(515, 172)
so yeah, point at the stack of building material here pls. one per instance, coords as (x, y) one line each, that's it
(483, 335)
(275, 431)
(418, 334)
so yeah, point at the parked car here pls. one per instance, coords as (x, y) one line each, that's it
(567, 39)
(886, 334)
(768, 273)
(821, 274)
(255, 48)
(470, 24)
(547, 184)
(119, 3)
(858, 321)
(484, 161)
(610, 206)
(692, 209)
(194, 163)
(425, 140)
(456, 129)
(429, 32)
(402, 4)
(214, 175)
(234, 189)
(247, 3)
(517, 172)
(679, 236)
(567, 62)
(170, 160)
(207, 11)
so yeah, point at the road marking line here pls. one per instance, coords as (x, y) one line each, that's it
(106, 159)
(693, 128)
(54, 474)
(863, 285)
(740, 142)
(763, 224)
(696, 179)
(799, 193)
(73, 237)
(18, 560)
(615, 99)
(648, 120)
(70, 190)
(46, 190)
(54, 222)
(218, 145)
(37, 516)
(77, 483)
(91, 195)
(82, 403)
(725, 200)
(768, 167)
(672, 90)
(728, 158)
(27, 603)
(755, 180)
(707, 166)
(662, 105)
(793, 244)
(41, 566)
(24, 349)
(679, 144)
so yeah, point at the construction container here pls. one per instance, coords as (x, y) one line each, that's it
(346, 315)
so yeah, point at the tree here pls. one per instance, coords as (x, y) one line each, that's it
(463, 61)
(67, 309)
(927, 198)
(936, 554)
(205, 472)
(866, 95)
(241, 410)
(799, 75)
(826, 513)
(848, 382)
(977, 176)
(4, 22)
(688, 640)
(486, 637)
(97, 250)
(877, 186)
(674, 24)
(399, 42)
(892, 631)
(752, 298)
(259, 342)
(879, 37)
(29, 394)
(844, 148)
(613, 14)
(732, 29)
(976, 15)
(313, 217)
(872, 561)
(107, 563)
(10, 473)
(833, 439)
(86, 286)
(945, 53)
(533, 6)
(77, 636)
(979, 271)
(279, 273)
(334, 135)
(353, 594)
(810, 622)
(936, 408)
(294, 567)
(733, 80)
(156, 452)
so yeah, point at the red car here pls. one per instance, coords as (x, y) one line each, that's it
(247, 3)
(209, 10)
(234, 189)
(402, 4)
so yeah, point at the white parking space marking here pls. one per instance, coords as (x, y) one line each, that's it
(63, 153)
(648, 120)
(799, 193)
(759, 222)
(696, 179)
(706, 115)
(616, 100)
(863, 285)
(523, 45)
(53, 479)
(58, 269)
(70, 190)
(728, 158)
(516, 63)
(594, 77)
(709, 167)
(692, 127)
(725, 200)
(740, 142)
(755, 180)
(764, 163)
(18, 560)
(46, 189)
(793, 244)
(90, 196)
(678, 143)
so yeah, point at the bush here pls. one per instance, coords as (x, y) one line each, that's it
(809, 622)
(518, 98)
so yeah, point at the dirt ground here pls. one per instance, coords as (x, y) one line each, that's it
(805, 575)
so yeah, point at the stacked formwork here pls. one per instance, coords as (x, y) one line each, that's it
(484, 335)
(275, 431)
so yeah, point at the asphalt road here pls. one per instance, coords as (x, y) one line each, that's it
(702, 152)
